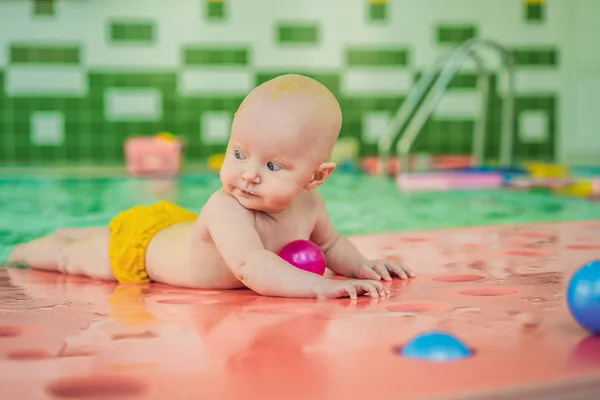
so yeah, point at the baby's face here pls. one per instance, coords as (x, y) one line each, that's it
(267, 163)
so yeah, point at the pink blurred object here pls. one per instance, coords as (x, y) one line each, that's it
(449, 180)
(305, 255)
(158, 155)
(596, 186)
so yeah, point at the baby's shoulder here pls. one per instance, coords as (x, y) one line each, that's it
(220, 203)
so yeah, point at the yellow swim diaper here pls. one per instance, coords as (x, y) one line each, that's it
(131, 233)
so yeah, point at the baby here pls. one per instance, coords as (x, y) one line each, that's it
(282, 136)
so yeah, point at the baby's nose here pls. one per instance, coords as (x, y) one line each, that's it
(251, 176)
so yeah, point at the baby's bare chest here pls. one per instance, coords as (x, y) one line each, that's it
(277, 233)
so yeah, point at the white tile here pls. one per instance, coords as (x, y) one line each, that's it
(216, 126)
(586, 131)
(374, 124)
(47, 128)
(46, 80)
(533, 126)
(389, 81)
(235, 81)
(586, 33)
(463, 103)
(533, 81)
(133, 104)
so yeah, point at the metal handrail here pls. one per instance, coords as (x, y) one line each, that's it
(451, 62)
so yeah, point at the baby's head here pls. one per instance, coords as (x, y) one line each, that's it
(281, 139)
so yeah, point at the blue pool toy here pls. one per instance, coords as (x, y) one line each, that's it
(436, 346)
(583, 296)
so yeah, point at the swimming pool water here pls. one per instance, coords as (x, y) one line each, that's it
(31, 206)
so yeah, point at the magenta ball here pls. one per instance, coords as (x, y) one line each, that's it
(305, 255)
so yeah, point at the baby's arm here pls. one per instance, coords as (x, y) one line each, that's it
(343, 257)
(233, 231)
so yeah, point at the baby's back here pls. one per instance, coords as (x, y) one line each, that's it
(185, 255)
(177, 257)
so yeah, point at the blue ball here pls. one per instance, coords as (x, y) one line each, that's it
(583, 296)
(436, 346)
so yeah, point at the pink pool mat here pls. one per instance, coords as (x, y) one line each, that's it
(499, 288)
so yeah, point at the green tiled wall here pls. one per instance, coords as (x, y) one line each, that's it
(535, 11)
(43, 54)
(172, 69)
(454, 34)
(215, 10)
(43, 7)
(132, 31)
(376, 57)
(290, 33)
(216, 56)
(377, 11)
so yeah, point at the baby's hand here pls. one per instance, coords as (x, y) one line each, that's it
(331, 288)
(383, 269)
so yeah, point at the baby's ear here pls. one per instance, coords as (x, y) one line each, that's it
(320, 175)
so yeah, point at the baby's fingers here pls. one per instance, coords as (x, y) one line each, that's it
(375, 289)
(399, 270)
(382, 269)
(369, 288)
(409, 271)
(366, 272)
(351, 290)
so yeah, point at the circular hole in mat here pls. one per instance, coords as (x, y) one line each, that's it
(417, 239)
(488, 292)
(28, 354)
(187, 301)
(583, 246)
(103, 386)
(459, 278)
(419, 306)
(10, 330)
(527, 251)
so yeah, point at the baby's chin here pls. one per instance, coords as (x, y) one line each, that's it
(259, 204)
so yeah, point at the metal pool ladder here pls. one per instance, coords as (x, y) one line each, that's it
(449, 64)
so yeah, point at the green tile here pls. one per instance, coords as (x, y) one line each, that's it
(372, 57)
(452, 34)
(132, 31)
(536, 56)
(44, 7)
(165, 82)
(196, 55)
(353, 109)
(44, 54)
(201, 105)
(291, 33)
(214, 10)
(535, 12)
(331, 81)
(377, 12)
(462, 80)
(17, 140)
(445, 136)
(545, 151)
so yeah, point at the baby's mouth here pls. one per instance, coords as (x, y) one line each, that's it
(247, 193)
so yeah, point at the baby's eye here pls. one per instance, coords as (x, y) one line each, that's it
(239, 155)
(274, 166)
